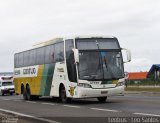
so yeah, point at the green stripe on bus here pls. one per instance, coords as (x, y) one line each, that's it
(43, 81)
(47, 79)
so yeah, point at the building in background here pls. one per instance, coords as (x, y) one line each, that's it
(154, 73)
(136, 77)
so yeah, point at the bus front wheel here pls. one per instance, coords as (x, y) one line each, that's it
(101, 99)
(63, 95)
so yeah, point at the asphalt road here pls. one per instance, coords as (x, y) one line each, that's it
(128, 108)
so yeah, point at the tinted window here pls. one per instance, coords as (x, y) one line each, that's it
(32, 57)
(97, 43)
(40, 55)
(100, 65)
(16, 60)
(49, 54)
(7, 83)
(71, 67)
(26, 58)
(59, 52)
(20, 59)
(69, 47)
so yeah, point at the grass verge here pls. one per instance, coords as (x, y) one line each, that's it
(149, 89)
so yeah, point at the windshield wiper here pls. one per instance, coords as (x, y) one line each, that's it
(99, 55)
(105, 62)
(107, 67)
(100, 59)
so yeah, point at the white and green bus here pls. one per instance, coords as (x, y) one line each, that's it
(79, 67)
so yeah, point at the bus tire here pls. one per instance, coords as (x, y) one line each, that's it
(101, 99)
(11, 93)
(29, 97)
(2, 93)
(34, 97)
(25, 94)
(63, 95)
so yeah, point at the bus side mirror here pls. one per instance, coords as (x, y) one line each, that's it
(128, 52)
(76, 55)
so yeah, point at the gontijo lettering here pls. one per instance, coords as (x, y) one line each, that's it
(29, 71)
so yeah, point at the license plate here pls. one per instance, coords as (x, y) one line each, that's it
(11, 90)
(104, 92)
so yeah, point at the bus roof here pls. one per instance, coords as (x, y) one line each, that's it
(52, 41)
(56, 40)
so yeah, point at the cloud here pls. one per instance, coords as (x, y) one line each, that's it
(138, 64)
(135, 23)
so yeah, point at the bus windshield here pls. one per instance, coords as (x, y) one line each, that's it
(100, 63)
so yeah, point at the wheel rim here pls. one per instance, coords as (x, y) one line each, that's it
(25, 94)
(28, 93)
(63, 95)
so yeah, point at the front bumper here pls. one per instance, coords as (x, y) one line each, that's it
(90, 92)
(7, 91)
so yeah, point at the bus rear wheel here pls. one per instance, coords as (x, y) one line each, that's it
(11, 93)
(101, 99)
(34, 97)
(25, 97)
(26, 93)
(63, 96)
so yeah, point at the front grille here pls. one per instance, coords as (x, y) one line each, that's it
(11, 89)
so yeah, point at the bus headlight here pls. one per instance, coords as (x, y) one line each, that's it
(85, 85)
(120, 84)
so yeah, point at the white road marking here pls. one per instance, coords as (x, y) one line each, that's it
(144, 114)
(29, 116)
(5, 99)
(17, 100)
(109, 110)
(31, 102)
(48, 103)
(71, 106)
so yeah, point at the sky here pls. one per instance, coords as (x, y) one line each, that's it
(136, 24)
